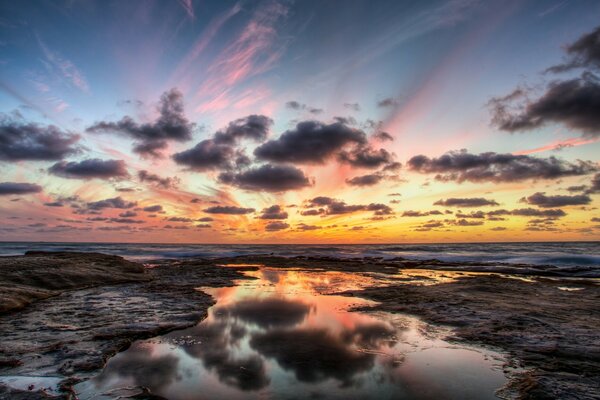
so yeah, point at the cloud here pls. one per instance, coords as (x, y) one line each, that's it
(311, 142)
(54, 204)
(64, 68)
(529, 212)
(269, 178)
(155, 208)
(574, 103)
(464, 222)
(126, 221)
(179, 219)
(273, 212)
(383, 136)
(411, 213)
(294, 105)
(268, 312)
(89, 169)
(352, 106)
(462, 166)
(595, 184)
(316, 355)
(387, 102)
(115, 202)
(205, 219)
(541, 200)
(165, 183)
(172, 125)
(365, 180)
(19, 141)
(584, 52)
(465, 202)
(255, 127)
(305, 227)
(322, 205)
(276, 226)
(366, 157)
(8, 188)
(206, 155)
(232, 210)
(473, 214)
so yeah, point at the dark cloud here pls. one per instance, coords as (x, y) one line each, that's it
(474, 214)
(462, 166)
(179, 219)
(383, 136)
(268, 312)
(116, 202)
(352, 106)
(411, 213)
(328, 206)
(276, 226)
(216, 352)
(305, 227)
(573, 103)
(54, 204)
(297, 106)
(366, 157)
(206, 155)
(529, 212)
(232, 210)
(126, 221)
(595, 184)
(273, 212)
(583, 53)
(269, 178)
(311, 142)
(468, 202)
(128, 214)
(172, 125)
(315, 355)
(34, 142)
(155, 208)
(165, 183)
(255, 127)
(465, 222)
(541, 200)
(387, 102)
(89, 169)
(578, 188)
(10, 188)
(142, 368)
(365, 180)
(205, 219)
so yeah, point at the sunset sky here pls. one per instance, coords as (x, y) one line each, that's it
(299, 121)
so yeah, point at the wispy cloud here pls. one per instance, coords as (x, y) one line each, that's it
(253, 52)
(64, 68)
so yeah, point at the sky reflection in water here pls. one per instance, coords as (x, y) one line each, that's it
(278, 337)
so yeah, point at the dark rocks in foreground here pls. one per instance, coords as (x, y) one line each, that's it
(92, 307)
(39, 275)
(67, 313)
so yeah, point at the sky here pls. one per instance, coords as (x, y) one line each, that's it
(278, 121)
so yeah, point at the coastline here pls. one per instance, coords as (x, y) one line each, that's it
(548, 328)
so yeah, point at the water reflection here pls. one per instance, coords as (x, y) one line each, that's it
(278, 337)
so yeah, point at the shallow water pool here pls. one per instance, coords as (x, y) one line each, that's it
(280, 337)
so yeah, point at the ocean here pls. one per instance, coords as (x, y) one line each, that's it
(567, 254)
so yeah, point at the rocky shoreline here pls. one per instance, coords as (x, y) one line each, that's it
(65, 314)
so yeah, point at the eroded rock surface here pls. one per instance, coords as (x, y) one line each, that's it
(88, 317)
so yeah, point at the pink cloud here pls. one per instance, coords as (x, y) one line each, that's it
(252, 53)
